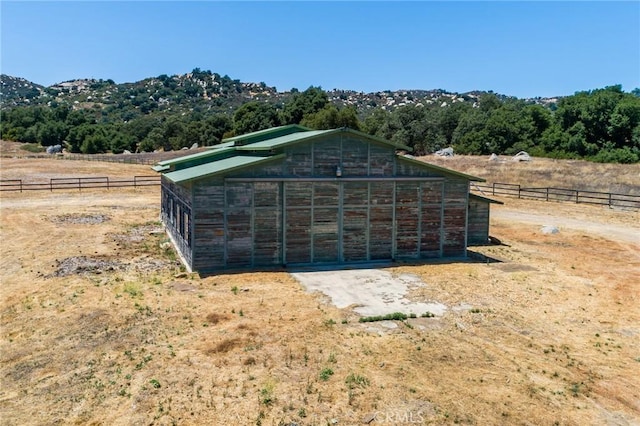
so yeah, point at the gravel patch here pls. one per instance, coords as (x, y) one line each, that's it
(80, 219)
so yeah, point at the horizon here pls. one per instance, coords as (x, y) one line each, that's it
(518, 49)
(302, 89)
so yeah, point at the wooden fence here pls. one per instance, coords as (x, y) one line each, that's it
(127, 159)
(501, 189)
(561, 194)
(78, 183)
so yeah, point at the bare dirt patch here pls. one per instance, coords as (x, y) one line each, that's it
(547, 172)
(83, 265)
(552, 339)
(85, 219)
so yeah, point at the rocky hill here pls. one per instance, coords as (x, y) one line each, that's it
(18, 91)
(205, 91)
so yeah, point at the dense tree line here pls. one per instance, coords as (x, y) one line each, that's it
(601, 125)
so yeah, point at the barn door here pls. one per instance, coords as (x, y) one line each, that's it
(325, 236)
(267, 224)
(238, 235)
(381, 221)
(355, 221)
(407, 219)
(298, 220)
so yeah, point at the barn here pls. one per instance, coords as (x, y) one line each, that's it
(295, 196)
(478, 220)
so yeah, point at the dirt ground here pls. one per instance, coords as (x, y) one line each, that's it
(547, 172)
(101, 325)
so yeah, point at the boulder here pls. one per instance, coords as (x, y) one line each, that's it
(446, 152)
(54, 149)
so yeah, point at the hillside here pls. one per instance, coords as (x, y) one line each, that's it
(203, 108)
(211, 92)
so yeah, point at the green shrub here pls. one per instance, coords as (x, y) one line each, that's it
(397, 316)
(32, 147)
(325, 374)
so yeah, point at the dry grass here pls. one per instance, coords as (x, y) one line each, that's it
(548, 336)
(546, 172)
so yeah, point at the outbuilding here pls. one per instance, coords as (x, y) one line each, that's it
(295, 196)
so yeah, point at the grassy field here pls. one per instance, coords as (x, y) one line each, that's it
(101, 325)
(547, 172)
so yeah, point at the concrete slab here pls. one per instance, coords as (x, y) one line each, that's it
(369, 290)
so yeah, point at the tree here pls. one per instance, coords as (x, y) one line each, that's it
(375, 121)
(94, 144)
(470, 137)
(155, 139)
(330, 117)
(303, 104)
(213, 129)
(449, 117)
(52, 133)
(254, 116)
(488, 102)
(119, 142)
(78, 134)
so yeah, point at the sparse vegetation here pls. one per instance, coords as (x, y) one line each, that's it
(355, 380)
(32, 147)
(88, 359)
(396, 316)
(325, 374)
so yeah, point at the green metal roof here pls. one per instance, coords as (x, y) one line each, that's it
(267, 134)
(282, 141)
(222, 145)
(440, 169)
(227, 157)
(224, 165)
(197, 156)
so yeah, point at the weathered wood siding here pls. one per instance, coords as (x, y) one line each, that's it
(267, 223)
(478, 227)
(431, 224)
(209, 217)
(176, 215)
(455, 200)
(381, 220)
(325, 225)
(297, 211)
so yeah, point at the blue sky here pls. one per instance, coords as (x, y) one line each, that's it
(522, 49)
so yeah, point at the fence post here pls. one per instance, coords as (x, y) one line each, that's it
(519, 189)
(577, 197)
(20, 185)
(107, 183)
(610, 201)
(51, 184)
(135, 181)
(547, 193)
(493, 188)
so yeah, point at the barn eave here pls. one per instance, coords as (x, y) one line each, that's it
(440, 169)
(223, 166)
(481, 198)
